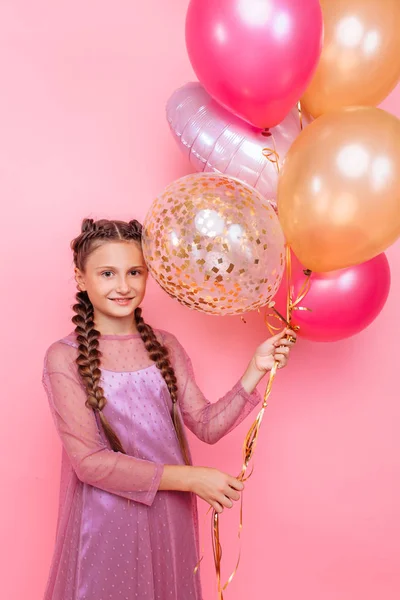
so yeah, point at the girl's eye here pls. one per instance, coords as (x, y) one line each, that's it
(134, 273)
(107, 274)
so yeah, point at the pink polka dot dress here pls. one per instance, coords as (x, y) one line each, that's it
(118, 537)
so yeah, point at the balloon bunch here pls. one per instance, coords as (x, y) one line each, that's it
(286, 103)
(290, 146)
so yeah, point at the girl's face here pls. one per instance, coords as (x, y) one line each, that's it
(115, 280)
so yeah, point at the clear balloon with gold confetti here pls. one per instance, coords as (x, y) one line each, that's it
(214, 244)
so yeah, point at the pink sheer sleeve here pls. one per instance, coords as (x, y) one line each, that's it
(93, 462)
(208, 421)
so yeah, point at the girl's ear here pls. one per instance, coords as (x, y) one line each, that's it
(80, 281)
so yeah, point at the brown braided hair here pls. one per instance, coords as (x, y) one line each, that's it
(93, 234)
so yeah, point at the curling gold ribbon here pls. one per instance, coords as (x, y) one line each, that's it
(250, 442)
(251, 438)
(272, 155)
(292, 303)
(197, 567)
(300, 111)
(249, 447)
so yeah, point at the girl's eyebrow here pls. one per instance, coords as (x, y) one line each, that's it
(116, 268)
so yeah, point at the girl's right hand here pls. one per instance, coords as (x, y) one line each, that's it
(215, 487)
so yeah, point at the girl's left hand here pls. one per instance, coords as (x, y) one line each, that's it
(275, 349)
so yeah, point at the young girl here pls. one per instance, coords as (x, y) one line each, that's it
(119, 392)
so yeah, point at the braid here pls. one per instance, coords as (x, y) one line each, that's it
(93, 233)
(88, 361)
(135, 229)
(159, 354)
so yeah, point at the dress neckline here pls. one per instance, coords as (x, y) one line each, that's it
(126, 336)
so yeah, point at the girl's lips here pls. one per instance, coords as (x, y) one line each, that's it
(121, 301)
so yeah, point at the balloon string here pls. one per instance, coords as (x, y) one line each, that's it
(271, 154)
(249, 447)
(251, 438)
(292, 302)
(300, 111)
(197, 567)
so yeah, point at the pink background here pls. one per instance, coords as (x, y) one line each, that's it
(82, 132)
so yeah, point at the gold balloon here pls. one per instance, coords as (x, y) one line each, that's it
(339, 188)
(360, 60)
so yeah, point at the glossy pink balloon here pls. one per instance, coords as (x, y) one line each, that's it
(255, 57)
(343, 302)
(216, 141)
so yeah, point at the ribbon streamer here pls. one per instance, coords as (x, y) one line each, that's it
(292, 303)
(251, 438)
(270, 153)
(300, 111)
(249, 447)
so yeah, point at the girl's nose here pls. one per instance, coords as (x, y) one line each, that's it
(123, 287)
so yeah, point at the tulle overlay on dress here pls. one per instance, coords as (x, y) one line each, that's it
(118, 537)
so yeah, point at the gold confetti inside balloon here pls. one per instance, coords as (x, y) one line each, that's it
(215, 244)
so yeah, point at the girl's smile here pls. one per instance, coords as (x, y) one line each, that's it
(122, 301)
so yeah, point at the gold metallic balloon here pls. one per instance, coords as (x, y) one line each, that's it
(360, 60)
(214, 244)
(339, 188)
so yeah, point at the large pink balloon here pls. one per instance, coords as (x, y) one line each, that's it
(255, 57)
(216, 141)
(343, 302)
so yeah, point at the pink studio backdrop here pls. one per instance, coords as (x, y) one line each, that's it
(83, 132)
